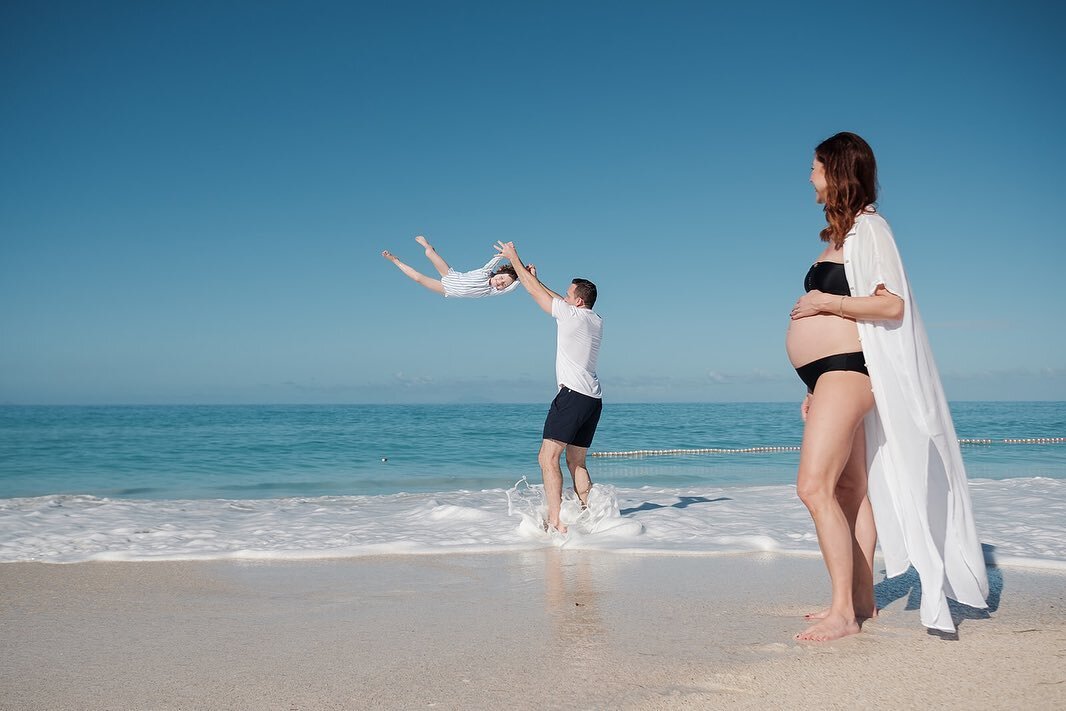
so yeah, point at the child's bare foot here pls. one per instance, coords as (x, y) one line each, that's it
(830, 628)
(388, 255)
(423, 241)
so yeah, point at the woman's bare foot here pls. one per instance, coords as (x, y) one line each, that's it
(389, 255)
(830, 628)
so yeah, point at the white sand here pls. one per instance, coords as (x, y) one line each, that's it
(546, 629)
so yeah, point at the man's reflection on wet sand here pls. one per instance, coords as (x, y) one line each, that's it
(572, 603)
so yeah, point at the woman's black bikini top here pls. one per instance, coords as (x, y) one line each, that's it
(828, 277)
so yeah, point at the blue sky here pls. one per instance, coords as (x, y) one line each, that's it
(196, 195)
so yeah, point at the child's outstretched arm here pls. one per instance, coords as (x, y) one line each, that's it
(540, 293)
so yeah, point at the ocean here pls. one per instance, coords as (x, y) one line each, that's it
(266, 482)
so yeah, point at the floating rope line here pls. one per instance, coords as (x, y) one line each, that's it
(708, 450)
(756, 450)
(1029, 440)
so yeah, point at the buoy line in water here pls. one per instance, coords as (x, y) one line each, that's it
(1026, 440)
(757, 450)
(706, 450)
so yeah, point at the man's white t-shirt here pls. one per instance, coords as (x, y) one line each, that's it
(577, 348)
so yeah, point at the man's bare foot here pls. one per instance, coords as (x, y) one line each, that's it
(423, 241)
(822, 614)
(557, 526)
(830, 628)
(388, 255)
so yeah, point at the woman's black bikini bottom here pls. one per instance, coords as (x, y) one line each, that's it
(810, 373)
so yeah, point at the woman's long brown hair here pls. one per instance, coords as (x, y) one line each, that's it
(851, 182)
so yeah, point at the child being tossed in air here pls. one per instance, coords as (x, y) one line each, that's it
(473, 284)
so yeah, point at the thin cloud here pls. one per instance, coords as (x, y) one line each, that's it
(747, 377)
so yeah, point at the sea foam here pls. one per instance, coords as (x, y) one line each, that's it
(1020, 522)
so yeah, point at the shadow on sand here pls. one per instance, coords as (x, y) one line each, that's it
(908, 585)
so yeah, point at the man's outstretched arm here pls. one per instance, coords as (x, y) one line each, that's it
(533, 270)
(540, 293)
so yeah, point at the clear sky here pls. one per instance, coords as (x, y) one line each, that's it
(195, 195)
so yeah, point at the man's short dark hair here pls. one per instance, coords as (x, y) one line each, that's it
(586, 291)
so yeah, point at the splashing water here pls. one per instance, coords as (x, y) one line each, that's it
(600, 518)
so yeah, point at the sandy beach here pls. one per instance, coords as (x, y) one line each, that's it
(545, 629)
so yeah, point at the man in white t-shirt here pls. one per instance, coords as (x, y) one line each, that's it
(575, 412)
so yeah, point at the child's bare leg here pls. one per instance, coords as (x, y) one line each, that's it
(431, 254)
(431, 284)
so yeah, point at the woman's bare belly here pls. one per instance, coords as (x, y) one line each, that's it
(814, 337)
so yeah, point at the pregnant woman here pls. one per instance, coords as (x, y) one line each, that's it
(875, 407)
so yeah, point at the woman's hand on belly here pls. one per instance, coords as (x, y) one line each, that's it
(813, 303)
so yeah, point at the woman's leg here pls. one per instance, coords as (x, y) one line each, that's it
(851, 494)
(431, 254)
(841, 400)
(431, 284)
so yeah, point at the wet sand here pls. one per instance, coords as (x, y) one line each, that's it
(548, 629)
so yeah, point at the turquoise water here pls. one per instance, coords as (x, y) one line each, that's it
(260, 452)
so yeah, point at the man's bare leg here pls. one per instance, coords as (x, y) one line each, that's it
(552, 475)
(431, 254)
(579, 473)
(431, 284)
